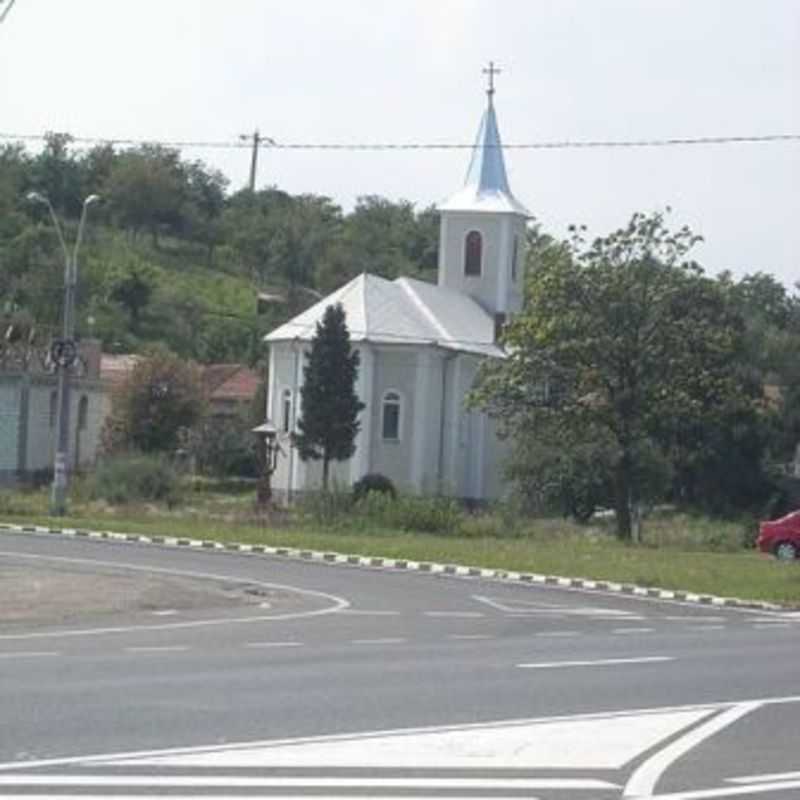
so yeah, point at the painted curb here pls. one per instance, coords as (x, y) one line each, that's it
(430, 567)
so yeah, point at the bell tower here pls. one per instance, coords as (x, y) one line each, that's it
(482, 227)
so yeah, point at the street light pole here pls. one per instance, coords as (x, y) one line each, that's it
(64, 352)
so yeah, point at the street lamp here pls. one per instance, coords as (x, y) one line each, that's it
(64, 351)
(269, 434)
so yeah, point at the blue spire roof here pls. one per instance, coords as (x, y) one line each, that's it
(486, 186)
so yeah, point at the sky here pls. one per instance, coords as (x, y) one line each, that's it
(394, 71)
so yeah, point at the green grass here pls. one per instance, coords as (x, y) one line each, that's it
(682, 552)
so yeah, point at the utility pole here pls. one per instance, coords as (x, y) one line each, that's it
(64, 353)
(256, 139)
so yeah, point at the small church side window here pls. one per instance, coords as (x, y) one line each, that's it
(473, 253)
(286, 410)
(390, 423)
(514, 257)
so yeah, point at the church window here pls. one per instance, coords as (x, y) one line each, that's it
(390, 422)
(286, 410)
(514, 257)
(83, 413)
(473, 253)
(53, 408)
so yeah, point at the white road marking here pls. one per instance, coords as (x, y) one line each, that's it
(170, 648)
(30, 654)
(465, 636)
(337, 603)
(770, 625)
(769, 778)
(606, 662)
(167, 612)
(643, 781)
(695, 618)
(273, 644)
(385, 640)
(556, 634)
(633, 630)
(725, 791)
(361, 612)
(701, 628)
(614, 723)
(527, 608)
(467, 614)
(601, 741)
(281, 782)
(372, 796)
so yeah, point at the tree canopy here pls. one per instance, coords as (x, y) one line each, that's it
(625, 347)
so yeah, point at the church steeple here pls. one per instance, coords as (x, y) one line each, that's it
(482, 229)
(486, 186)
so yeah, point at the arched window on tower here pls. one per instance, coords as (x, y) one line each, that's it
(473, 253)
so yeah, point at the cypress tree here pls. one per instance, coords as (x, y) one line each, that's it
(329, 424)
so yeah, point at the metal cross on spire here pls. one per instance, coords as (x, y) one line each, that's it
(491, 71)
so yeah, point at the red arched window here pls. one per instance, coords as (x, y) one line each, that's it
(473, 251)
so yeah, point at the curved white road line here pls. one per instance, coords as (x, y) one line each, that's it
(336, 603)
(643, 781)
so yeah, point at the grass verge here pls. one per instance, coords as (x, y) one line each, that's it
(551, 550)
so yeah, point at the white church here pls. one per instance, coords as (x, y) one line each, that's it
(420, 347)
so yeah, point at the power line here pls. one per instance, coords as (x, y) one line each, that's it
(566, 144)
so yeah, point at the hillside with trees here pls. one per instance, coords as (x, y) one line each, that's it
(172, 256)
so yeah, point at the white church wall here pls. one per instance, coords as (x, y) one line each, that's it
(283, 370)
(452, 243)
(395, 370)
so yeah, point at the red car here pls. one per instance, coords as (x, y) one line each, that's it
(781, 537)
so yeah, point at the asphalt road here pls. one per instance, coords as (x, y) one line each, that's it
(387, 684)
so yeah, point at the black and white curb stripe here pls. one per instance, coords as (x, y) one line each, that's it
(376, 562)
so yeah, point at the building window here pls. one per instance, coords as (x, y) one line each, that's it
(286, 410)
(83, 413)
(53, 408)
(390, 416)
(473, 253)
(514, 257)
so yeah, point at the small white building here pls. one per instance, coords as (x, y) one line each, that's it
(420, 346)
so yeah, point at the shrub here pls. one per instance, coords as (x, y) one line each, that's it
(373, 482)
(136, 477)
(417, 514)
(327, 507)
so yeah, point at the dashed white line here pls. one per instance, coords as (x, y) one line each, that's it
(167, 612)
(775, 776)
(701, 628)
(30, 654)
(695, 618)
(273, 644)
(363, 613)
(470, 636)
(557, 634)
(171, 648)
(468, 614)
(385, 640)
(632, 630)
(770, 625)
(604, 662)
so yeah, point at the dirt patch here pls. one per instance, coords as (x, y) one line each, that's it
(57, 594)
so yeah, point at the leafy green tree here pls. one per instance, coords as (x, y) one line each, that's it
(146, 188)
(629, 336)
(328, 427)
(161, 398)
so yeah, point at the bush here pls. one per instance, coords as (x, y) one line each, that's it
(327, 507)
(414, 514)
(373, 482)
(132, 478)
